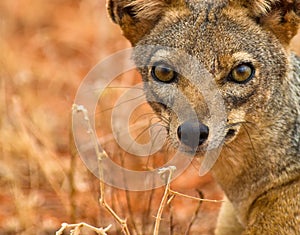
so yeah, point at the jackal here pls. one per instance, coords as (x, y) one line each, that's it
(244, 47)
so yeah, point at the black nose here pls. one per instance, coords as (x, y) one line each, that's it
(192, 134)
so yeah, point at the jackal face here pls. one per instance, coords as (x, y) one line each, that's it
(199, 59)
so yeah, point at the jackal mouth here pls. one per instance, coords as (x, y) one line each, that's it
(197, 151)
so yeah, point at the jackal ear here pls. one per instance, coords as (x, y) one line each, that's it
(282, 17)
(137, 17)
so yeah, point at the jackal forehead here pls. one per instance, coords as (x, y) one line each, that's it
(213, 36)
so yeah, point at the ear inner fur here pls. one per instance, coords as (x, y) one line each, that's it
(281, 17)
(136, 18)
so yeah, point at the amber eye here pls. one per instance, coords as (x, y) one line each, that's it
(163, 73)
(242, 73)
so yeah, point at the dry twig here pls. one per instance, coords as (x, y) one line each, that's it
(77, 227)
(170, 194)
(165, 198)
(174, 193)
(101, 154)
(195, 214)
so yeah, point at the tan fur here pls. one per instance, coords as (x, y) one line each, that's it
(258, 7)
(259, 165)
(141, 16)
(148, 9)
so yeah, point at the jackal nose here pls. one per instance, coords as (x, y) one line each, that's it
(192, 134)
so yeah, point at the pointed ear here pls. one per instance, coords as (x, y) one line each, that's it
(282, 17)
(137, 17)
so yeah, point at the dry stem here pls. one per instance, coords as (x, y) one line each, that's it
(165, 199)
(101, 154)
(170, 194)
(195, 214)
(77, 227)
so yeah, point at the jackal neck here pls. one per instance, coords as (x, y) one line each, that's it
(266, 154)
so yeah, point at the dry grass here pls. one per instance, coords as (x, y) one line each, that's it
(46, 48)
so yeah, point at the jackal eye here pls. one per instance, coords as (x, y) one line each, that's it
(242, 73)
(163, 73)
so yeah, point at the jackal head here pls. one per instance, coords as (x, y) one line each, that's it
(202, 59)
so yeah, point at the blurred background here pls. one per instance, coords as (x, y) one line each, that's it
(46, 49)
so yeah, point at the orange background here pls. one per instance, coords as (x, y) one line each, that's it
(46, 49)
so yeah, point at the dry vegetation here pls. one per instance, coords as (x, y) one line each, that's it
(46, 48)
